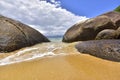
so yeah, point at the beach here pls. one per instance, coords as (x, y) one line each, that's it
(69, 66)
(59, 40)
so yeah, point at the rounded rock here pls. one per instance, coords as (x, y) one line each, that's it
(106, 34)
(106, 49)
(15, 35)
(88, 29)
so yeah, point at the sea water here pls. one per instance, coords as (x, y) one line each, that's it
(53, 48)
(55, 38)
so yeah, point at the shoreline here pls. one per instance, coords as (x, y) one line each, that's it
(68, 67)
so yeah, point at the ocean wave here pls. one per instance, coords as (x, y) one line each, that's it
(30, 53)
(18, 58)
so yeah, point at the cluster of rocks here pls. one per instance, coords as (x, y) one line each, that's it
(103, 32)
(100, 36)
(105, 26)
(15, 35)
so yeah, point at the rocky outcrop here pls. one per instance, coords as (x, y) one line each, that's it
(15, 35)
(114, 16)
(106, 49)
(106, 34)
(89, 29)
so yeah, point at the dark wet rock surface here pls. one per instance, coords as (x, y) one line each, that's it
(106, 49)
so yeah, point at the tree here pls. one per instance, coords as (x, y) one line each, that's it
(117, 9)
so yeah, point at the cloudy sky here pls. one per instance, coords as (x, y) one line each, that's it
(54, 17)
(46, 16)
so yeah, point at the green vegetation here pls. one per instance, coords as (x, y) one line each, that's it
(117, 9)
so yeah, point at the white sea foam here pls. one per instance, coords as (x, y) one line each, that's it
(11, 59)
(30, 54)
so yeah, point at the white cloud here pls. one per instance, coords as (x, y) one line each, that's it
(46, 17)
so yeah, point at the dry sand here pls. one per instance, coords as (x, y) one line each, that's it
(69, 67)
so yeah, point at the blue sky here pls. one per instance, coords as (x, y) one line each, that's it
(89, 8)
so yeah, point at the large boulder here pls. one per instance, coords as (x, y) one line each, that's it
(88, 30)
(106, 34)
(114, 16)
(15, 35)
(106, 49)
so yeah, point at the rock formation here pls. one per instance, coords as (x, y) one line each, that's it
(89, 29)
(106, 49)
(106, 34)
(15, 35)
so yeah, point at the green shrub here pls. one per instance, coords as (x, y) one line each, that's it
(117, 9)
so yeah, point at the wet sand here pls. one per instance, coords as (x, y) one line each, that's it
(65, 67)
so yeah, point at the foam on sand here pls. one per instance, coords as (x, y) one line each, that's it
(53, 61)
(30, 53)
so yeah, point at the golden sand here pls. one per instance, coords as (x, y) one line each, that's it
(72, 66)
(69, 67)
